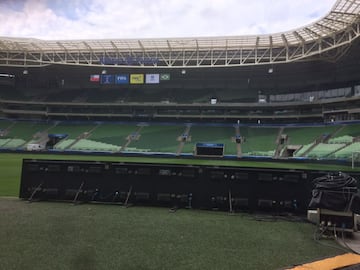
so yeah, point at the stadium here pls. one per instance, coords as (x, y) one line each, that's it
(233, 124)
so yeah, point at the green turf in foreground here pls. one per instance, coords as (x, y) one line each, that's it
(63, 236)
(10, 174)
(10, 165)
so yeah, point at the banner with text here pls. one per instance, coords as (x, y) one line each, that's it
(107, 79)
(136, 78)
(152, 78)
(122, 79)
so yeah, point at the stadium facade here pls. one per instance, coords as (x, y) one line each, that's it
(309, 74)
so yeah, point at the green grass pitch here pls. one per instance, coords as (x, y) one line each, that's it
(52, 235)
(89, 236)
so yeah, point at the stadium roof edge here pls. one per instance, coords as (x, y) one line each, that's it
(328, 37)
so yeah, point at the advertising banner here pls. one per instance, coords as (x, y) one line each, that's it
(122, 79)
(165, 77)
(152, 78)
(107, 79)
(136, 78)
(95, 78)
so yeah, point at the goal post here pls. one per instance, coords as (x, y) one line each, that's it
(354, 157)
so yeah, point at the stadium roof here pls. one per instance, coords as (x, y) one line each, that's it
(327, 38)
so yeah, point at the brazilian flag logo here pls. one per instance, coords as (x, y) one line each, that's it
(165, 77)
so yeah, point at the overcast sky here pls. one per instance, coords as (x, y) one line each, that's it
(119, 19)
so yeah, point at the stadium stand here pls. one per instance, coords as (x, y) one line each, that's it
(322, 150)
(62, 145)
(210, 134)
(21, 133)
(259, 141)
(352, 130)
(4, 124)
(113, 133)
(72, 129)
(4, 142)
(157, 138)
(93, 146)
(292, 94)
(305, 134)
(280, 141)
(342, 139)
(347, 151)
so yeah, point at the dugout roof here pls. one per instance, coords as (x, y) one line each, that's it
(327, 38)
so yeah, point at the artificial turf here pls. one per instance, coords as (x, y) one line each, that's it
(44, 235)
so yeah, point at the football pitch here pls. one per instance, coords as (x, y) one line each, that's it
(53, 235)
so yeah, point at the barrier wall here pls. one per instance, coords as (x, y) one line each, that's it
(201, 187)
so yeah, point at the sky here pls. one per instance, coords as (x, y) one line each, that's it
(140, 19)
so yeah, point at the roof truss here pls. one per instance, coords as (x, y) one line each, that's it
(328, 36)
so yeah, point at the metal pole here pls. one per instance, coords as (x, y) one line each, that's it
(352, 160)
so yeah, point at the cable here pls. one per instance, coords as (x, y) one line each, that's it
(284, 217)
(335, 181)
(333, 191)
(346, 245)
(322, 230)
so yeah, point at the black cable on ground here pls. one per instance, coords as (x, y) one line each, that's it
(320, 233)
(346, 245)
